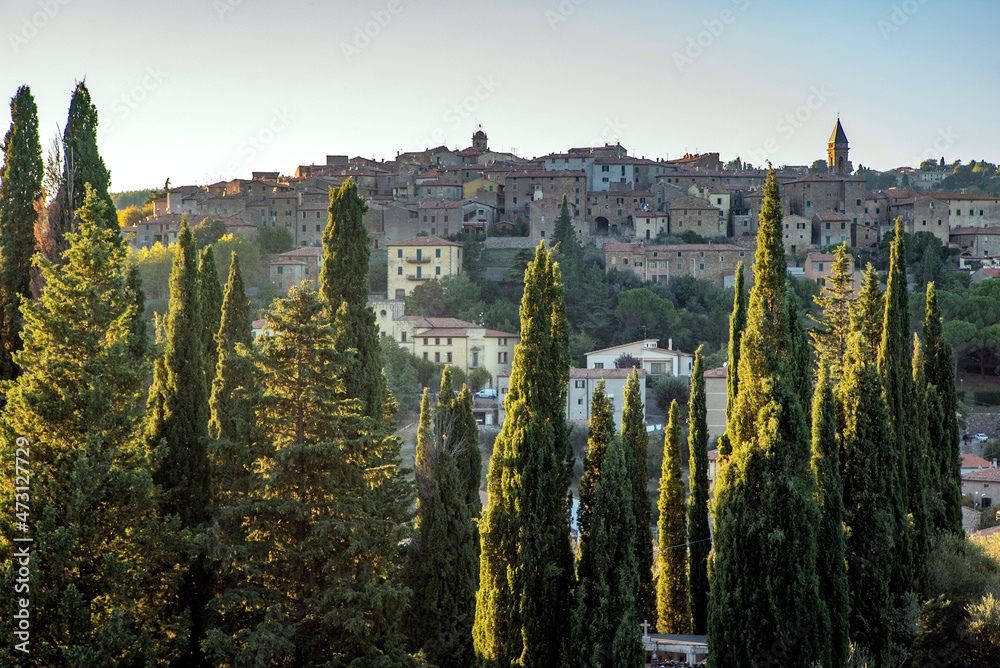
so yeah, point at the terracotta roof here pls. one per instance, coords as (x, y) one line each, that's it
(824, 176)
(438, 204)
(985, 475)
(975, 230)
(603, 373)
(314, 206)
(688, 202)
(713, 455)
(285, 263)
(982, 533)
(971, 461)
(650, 214)
(550, 173)
(304, 251)
(496, 334)
(429, 323)
(831, 217)
(821, 257)
(258, 324)
(453, 332)
(439, 182)
(645, 249)
(424, 241)
(720, 372)
(989, 271)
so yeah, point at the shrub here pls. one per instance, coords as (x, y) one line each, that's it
(987, 396)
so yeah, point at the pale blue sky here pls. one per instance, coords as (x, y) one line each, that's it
(182, 87)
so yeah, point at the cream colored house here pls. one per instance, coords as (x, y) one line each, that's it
(983, 486)
(715, 402)
(447, 340)
(418, 259)
(656, 361)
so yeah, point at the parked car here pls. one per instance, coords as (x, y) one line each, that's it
(982, 437)
(487, 393)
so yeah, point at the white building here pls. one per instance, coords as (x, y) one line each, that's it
(656, 361)
(582, 383)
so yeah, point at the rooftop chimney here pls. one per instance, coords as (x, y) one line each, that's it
(670, 344)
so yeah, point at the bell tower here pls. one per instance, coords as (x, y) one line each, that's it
(836, 151)
(479, 140)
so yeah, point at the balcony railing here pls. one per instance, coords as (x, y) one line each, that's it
(414, 277)
(418, 260)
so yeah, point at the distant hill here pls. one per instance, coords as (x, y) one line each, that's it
(126, 199)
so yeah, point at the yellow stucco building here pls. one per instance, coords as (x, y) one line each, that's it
(418, 259)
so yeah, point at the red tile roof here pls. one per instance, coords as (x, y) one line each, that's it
(984, 475)
(424, 241)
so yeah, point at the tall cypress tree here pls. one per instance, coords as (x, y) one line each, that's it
(210, 296)
(834, 299)
(797, 356)
(943, 455)
(894, 364)
(20, 187)
(602, 431)
(867, 471)
(868, 312)
(138, 330)
(737, 323)
(673, 605)
(564, 236)
(830, 557)
(766, 516)
(636, 441)
(104, 580)
(605, 630)
(177, 434)
(699, 534)
(443, 561)
(526, 565)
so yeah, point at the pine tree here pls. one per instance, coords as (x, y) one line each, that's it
(526, 565)
(894, 364)
(830, 562)
(443, 560)
(177, 435)
(943, 455)
(104, 576)
(830, 338)
(867, 470)
(20, 187)
(699, 534)
(210, 296)
(605, 629)
(765, 590)
(602, 431)
(737, 323)
(636, 441)
(672, 601)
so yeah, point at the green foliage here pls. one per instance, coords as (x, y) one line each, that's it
(699, 534)
(834, 323)
(601, 431)
(378, 278)
(479, 378)
(155, 263)
(737, 323)
(208, 231)
(830, 562)
(251, 264)
(83, 163)
(987, 397)
(128, 198)
(692, 237)
(399, 369)
(526, 566)
(673, 603)
(274, 240)
(20, 187)
(766, 516)
(210, 296)
(636, 443)
(105, 584)
(670, 389)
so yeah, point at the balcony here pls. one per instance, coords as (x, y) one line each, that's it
(414, 277)
(418, 260)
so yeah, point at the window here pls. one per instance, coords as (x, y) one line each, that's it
(281, 270)
(425, 341)
(808, 203)
(828, 226)
(437, 357)
(437, 342)
(701, 266)
(598, 365)
(425, 357)
(501, 358)
(475, 359)
(820, 266)
(437, 271)
(399, 251)
(303, 228)
(579, 401)
(579, 384)
(448, 358)
(317, 228)
(859, 202)
(399, 271)
(402, 337)
(656, 367)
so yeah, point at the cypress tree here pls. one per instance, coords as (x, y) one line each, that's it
(602, 431)
(868, 312)
(210, 296)
(797, 356)
(894, 364)
(737, 323)
(943, 455)
(765, 591)
(606, 631)
(20, 187)
(101, 588)
(636, 442)
(830, 561)
(699, 534)
(177, 435)
(672, 601)
(526, 564)
(443, 561)
(830, 337)
(867, 470)
(564, 236)
(138, 331)
(468, 458)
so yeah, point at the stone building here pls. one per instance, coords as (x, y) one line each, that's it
(654, 262)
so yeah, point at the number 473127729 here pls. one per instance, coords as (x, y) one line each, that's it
(22, 478)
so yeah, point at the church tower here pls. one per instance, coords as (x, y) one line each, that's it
(836, 152)
(479, 140)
